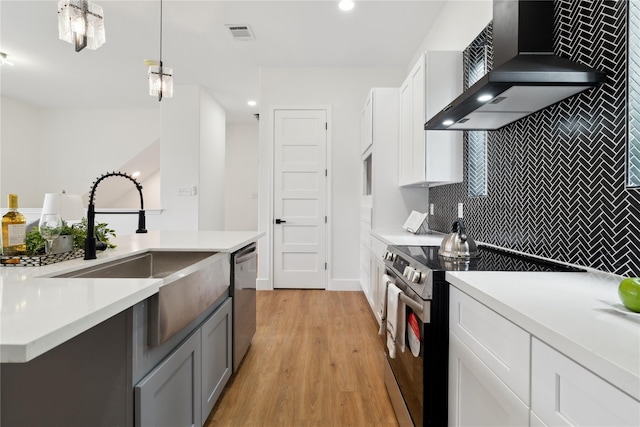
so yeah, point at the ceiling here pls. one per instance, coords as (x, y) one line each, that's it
(48, 73)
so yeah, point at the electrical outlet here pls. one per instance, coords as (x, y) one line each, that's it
(430, 208)
(460, 210)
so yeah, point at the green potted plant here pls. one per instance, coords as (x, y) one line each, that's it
(75, 232)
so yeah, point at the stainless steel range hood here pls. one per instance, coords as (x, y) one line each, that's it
(526, 77)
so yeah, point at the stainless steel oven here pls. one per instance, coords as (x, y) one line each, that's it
(417, 385)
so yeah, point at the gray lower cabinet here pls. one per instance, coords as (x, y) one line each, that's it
(216, 357)
(183, 388)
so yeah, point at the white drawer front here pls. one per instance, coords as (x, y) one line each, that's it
(564, 393)
(500, 344)
(378, 247)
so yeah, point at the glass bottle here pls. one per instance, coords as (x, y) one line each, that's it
(14, 227)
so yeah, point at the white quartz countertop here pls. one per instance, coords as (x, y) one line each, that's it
(39, 313)
(579, 314)
(402, 237)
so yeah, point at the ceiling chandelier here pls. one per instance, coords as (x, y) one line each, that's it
(160, 77)
(81, 23)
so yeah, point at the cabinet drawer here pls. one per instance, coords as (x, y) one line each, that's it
(498, 343)
(378, 247)
(564, 393)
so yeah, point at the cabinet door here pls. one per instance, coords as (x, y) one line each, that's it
(216, 356)
(477, 397)
(564, 393)
(430, 157)
(411, 135)
(379, 290)
(170, 394)
(500, 344)
(443, 148)
(366, 125)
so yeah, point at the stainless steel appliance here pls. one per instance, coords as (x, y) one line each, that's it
(243, 291)
(526, 77)
(417, 386)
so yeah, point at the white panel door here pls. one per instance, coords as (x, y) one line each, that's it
(299, 206)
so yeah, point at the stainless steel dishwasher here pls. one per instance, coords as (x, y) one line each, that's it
(244, 269)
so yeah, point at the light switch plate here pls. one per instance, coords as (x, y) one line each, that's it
(187, 191)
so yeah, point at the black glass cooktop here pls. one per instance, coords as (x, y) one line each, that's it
(489, 259)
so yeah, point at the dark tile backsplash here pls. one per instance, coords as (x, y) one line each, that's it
(556, 179)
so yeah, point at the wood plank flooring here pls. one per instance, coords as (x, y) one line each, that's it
(315, 360)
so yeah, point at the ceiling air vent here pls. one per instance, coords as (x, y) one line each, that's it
(240, 32)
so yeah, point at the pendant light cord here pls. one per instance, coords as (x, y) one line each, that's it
(160, 33)
(160, 68)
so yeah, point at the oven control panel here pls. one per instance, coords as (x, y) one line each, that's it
(411, 272)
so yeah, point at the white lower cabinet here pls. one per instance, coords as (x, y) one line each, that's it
(183, 388)
(477, 397)
(501, 375)
(488, 366)
(564, 393)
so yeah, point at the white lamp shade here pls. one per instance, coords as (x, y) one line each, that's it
(74, 23)
(68, 206)
(160, 80)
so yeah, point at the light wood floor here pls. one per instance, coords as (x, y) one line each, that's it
(315, 360)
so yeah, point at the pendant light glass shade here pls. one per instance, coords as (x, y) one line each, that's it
(160, 77)
(81, 23)
(160, 81)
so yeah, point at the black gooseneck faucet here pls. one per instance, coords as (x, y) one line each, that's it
(90, 240)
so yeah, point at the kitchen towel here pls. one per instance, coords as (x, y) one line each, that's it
(396, 315)
(386, 279)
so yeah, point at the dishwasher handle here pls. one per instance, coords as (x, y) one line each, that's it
(245, 254)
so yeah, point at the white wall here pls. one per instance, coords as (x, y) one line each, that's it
(345, 90)
(459, 22)
(49, 150)
(19, 168)
(192, 154)
(241, 177)
(212, 163)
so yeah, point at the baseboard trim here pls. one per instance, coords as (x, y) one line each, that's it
(263, 284)
(344, 285)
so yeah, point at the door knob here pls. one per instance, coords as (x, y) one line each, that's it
(280, 221)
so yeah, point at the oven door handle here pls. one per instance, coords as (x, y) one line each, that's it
(411, 303)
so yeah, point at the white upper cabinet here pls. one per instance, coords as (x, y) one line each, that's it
(366, 125)
(429, 158)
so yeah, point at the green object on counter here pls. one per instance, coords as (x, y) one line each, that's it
(35, 242)
(629, 293)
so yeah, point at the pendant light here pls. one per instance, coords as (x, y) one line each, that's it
(160, 77)
(81, 23)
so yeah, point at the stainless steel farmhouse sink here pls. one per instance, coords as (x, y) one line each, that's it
(192, 282)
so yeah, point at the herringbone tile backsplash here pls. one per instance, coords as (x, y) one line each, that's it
(556, 179)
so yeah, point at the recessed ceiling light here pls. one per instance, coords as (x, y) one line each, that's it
(485, 97)
(135, 174)
(346, 5)
(252, 103)
(447, 122)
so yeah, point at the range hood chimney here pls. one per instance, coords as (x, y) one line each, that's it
(526, 76)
